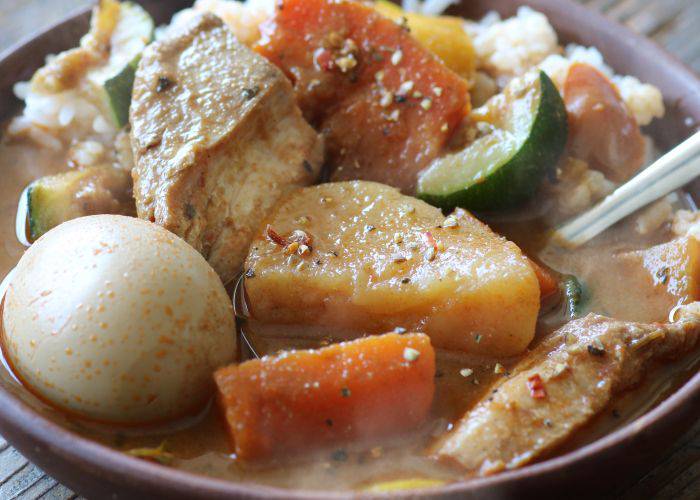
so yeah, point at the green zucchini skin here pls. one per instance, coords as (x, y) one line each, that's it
(119, 89)
(55, 199)
(49, 202)
(518, 179)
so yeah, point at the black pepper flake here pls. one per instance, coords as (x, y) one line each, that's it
(190, 211)
(615, 413)
(439, 374)
(377, 56)
(547, 422)
(164, 83)
(339, 455)
(345, 392)
(405, 280)
(249, 93)
(596, 350)
(318, 262)
(477, 338)
(329, 422)
(308, 167)
(400, 99)
(385, 131)
(250, 273)
(663, 274)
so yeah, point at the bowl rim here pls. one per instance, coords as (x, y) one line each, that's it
(28, 426)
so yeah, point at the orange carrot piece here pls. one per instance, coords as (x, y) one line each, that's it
(363, 390)
(386, 105)
(602, 131)
(548, 283)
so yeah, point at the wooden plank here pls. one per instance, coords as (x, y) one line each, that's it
(41, 486)
(10, 463)
(674, 471)
(20, 482)
(58, 492)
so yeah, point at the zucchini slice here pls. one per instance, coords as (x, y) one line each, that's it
(55, 199)
(133, 30)
(525, 134)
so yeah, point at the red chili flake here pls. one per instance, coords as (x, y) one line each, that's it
(536, 386)
(429, 240)
(301, 237)
(275, 237)
(323, 58)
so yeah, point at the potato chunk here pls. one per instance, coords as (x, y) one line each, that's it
(361, 257)
(658, 278)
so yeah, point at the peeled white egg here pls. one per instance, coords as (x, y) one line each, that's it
(117, 319)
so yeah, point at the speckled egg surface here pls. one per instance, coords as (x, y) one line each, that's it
(117, 319)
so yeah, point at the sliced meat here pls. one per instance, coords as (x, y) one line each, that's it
(217, 138)
(385, 104)
(560, 386)
(602, 131)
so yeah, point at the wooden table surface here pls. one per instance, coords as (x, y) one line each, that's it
(672, 23)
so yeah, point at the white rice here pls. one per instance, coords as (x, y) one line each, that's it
(686, 223)
(579, 187)
(243, 18)
(654, 216)
(511, 47)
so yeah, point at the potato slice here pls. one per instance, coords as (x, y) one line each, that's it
(362, 258)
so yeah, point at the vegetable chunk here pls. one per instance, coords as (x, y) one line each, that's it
(55, 199)
(444, 36)
(659, 277)
(372, 388)
(602, 131)
(361, 257)
(385, 104)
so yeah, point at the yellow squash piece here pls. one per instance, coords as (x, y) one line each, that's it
(444, 36)
(360, 257)
(415, 483)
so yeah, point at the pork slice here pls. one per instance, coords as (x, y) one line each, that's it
(217, 138)
(560, 386)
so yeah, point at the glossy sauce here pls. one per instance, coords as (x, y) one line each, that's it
(201, 445)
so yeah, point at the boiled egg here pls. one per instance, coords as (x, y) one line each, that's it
(117, 319)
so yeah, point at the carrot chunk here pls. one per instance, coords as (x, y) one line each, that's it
(386, 105)
(548, 284)
(371, 388)
(602, 131)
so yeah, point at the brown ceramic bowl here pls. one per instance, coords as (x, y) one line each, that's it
(601, 467)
